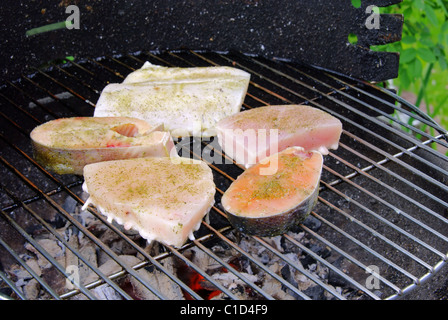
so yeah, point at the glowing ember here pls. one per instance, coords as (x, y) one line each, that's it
(201, 286)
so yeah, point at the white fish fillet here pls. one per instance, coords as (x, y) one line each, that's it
(164, 199)
(187, 101)
(252, 135)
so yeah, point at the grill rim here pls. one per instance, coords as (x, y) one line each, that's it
(424, 146)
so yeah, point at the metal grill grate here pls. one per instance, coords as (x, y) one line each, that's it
(379, 229)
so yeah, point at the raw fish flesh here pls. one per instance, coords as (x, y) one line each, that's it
(162, 199)
(251, 135)
(270, 204)
(66, 145)
(187, 101)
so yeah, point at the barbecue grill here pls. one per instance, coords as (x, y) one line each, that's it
(378, 231)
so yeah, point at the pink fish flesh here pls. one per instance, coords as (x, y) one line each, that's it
(251, 135)
(66, 145)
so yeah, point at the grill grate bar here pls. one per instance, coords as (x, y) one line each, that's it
(348, 256)
(310, 276)
(86, 85)
(83, 99)
(369, 106)
(333, 89)
(419, 117)
(202, 273)
(394, 208)
(12, 286)
(299, 268)
(44, 253)
(50, 94)
(84, 82)
(253, 260)
(417, 113)
(80, 227)
(19, 203)
(404, 151)
(31, 99)
(385, 160)
(63, 242)
(401, 123)
(397, 290)
(407, 151)
(405, 165)
(379, 235)
(323, 261)
(396, 246)
(77, 95)
(363, 115)
(359, 243)
(192, 293)
(232, 270)
(131, 69)
(27, 268)
(330, 266)
(19, 108)
(395, 158)
(380, 166)
(116, 73)
(240, 250)
(398, 108)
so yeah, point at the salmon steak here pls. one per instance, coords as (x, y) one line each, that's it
(66, 145)
(275, 194)
(164, 199)
(186, 101)
(251, 135)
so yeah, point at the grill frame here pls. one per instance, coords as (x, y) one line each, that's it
(114, 68)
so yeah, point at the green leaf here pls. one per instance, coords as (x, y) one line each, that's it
(407, 12)
(443, 6)
(415, 69)
(442, 61)
(408, 55)
(425, 39)
(419, 4)
(403, 79)
(408, 39)
(443, 33)
(445, 27)
(423, 53)
(439, 106)
(431, 15)
(356, 3)
(426, 54)
(46, 28)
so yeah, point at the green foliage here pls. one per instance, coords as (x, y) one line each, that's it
(48, 27)
(423, 53)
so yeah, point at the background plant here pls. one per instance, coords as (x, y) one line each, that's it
(423, 54)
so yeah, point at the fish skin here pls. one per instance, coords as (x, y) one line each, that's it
(66, 145)
(269, 205)
(254, 134)
(162, 199)
(187, 101)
